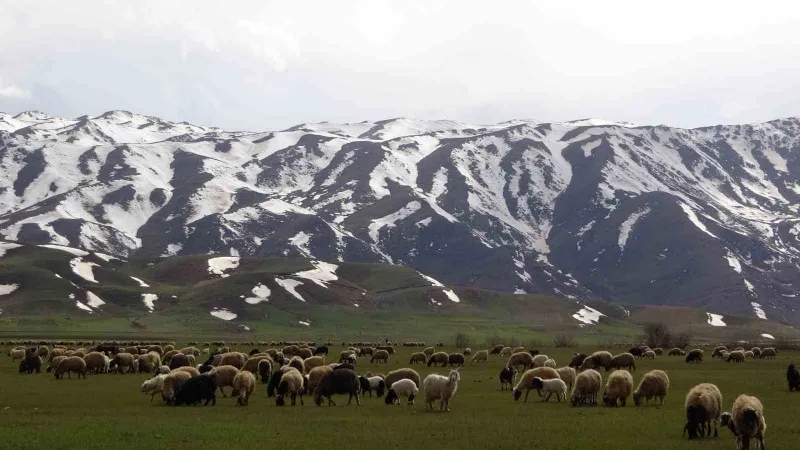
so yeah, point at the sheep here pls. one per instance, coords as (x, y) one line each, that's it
(153, 386)
(467, 351)
(746, 421)
(550, 363)
(694, 356)
(418, 357)
(190, 351)
(428, 351)
(577, 360)
(169, 354)
(399, 374)
(374, 383)
(507, 377)
(768, 352)
(121, 360)
(234, 359)
(224, 376)
(43, 351)
(251, 365)
(587, 385)
(304, 353)
(315, 374)
(654, 384)
(321, 350)
(404, 387)
(57, 352)
(32, 363)
(556, 385)
(190, 370)
(343, 381)
(380, 356)
(506, 351)
(635, 351)
(275, 379)
(156, 348)
(597, 360)
(297, 363)
(345, 355)
(749, 354)
(618, 387)
(179, 360)
(649, 354)
(624, 361)
(703, 404)
(675, 352)
(718, 351)
(756, 352)
(526, 381)
(793, 378)
(567, 374)
(312, 362)
(291, 383)
(658, 351)
(244, 384)
(16, 353)
(735, 356)
(95, 362)
(438, 358)
(439, 387)
(70, 364)
(523, 359)
(162, 370)
(480, 356)
(455, 359)
(264, 369)
(539, 360)
(196, 389)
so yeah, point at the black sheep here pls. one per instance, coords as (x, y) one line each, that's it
(345, 366)
(506, 378)
(196, 389)
(321, 350)
(635, 351)
(274, 381)
(342, 381)
(533, 352)
(254, 351)
(793, 378)
(577, 360)
(31, 364)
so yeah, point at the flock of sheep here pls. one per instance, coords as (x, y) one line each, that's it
(190, 376)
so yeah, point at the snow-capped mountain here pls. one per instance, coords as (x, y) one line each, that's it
(707, 217)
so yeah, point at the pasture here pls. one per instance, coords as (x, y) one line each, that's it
(109, 411)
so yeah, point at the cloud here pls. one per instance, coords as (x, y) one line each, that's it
(13, 91)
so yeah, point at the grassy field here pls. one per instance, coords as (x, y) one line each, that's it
(108, 411)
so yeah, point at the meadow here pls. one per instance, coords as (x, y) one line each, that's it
(109, 411)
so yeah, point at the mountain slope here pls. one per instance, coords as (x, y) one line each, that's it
(705, 218)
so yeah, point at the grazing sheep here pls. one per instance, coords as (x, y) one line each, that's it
(345, 355)
(618, 388)
(654, 384)
(153, 386)
(523, 359)
(315, 374)
(169, 354)
(16, 353)
(496, 349)
(635, 351)
(467, 351)
(95, 362)
(539, 360)
(567, 374)
(550, 363)
(649, 354)
(71, 364)
(703, 406)
(304, 353)
(291, 383)
(373, 383)
(768, 352)
(162, 370)
(428, 351)
(54, 363)
(401, 388)
(312, 362)
(577, 360)
(399, 374)
(43, 351)
(418, 357)
(380, 356)
(196, 389)
(756, 352)
(122, 360)
(596, 361)
(480, 356)
(517, 350)
(439, 387)
(342, 381)
(623, 361)
(506, 351)
(275, 379)
(793, 378)
(526, 381)
(234, 359)
(321, 350)
(675, 352)
(251, 365)
(244, 384)
(746, 421)
(549, 387)
(297, 363)
(157, 349)
(507, 377)
(264, 369)
(190, 351)
(369, 351)
(32, 363)
(224, 376)
(57, 352)
(718, 351)
(749, 354)
(658, 351)
(587, 385)
(438, 358)
(179, 360)
(694, 356)
(190, 370)
(735, 356)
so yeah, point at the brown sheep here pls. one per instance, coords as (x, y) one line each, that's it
(304, 353)
(401, 374)
(380, 356)
(244, 384)
(224, 376)
(121, 360)
(597, 360)
(179, 360)
(234, 359)
(523, 359)
(654, 384)
(312, 362)
(428, 351)
(618, 388)
(71, 364)
(526, 381)
(418, 357)
(297, 363)
(251, 365)
(315, 375)
(95, 362)
(438, 358)
(623, 361)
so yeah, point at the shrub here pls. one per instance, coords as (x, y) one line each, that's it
(463, 340)
(564, 340)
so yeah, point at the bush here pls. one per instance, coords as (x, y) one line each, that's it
(463, 340)
(564, 340)
(659, 335)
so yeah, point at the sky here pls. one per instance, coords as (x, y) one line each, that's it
(266, 65)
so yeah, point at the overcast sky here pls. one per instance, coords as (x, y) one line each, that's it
(266, 65)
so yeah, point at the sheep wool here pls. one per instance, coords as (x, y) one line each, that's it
(438, 358)
(224, 376)
(234, 359)
(539, 360)
(550, 363)
(153, 386)
(703, 406)
(523, 359)
(95, 362)
(171, 382)
(747, 422)
(618, 388)
(587, 385)
(649, 354)
(251, 365)
(404, 373)
(567, 374)
(312, 362)
(735, 356)
(339, 381)
(623, 361)
(480, 356)
(654, 384)
(190, 370)
(244, 384)
(418, 357)
(439, 387)
(550, 387)
(526, 381)
(71, 364)
(506, 351)
(380, 356)
(401, 388)
(695, 356)
(597, 360)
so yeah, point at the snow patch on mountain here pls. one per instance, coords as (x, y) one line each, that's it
(759, 311)
(83, 307)
(733, 261)
(322, 274)
(222, 264)
(93, 300)
(715, 320)
(261, 293)
(74, 251)
(141, 283)
(431, 280)
(588, 315)
(149, 301)
(451, 295)
(291, 287)
(6, 289)
(6, 246)
(768, 336)
(627, 226)
(83, 269)
(300, 241)
(693, 217)
(390, 220)
(223, 313)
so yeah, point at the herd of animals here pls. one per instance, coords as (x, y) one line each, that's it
(295, 369)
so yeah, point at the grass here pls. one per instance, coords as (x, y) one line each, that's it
(105, 411)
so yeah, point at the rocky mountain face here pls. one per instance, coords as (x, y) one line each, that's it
(706, 218)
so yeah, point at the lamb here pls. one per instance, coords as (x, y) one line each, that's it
(244, 384)
(618, 387)
(526, 381)
(467, 351)
(196, 389)
(768, 352)
(374, 383)
(703, 404)
(291, 383)
(380, 356)
(455, 359)
(746, 421)
(224, 376)
(312, 362)
(550, 363)
(596, 361)
(418, 357)
(404, 387)
(549, 387)
(649, 354)
(153, 386)
(587, 385)
(735, 356)
(480, 356)
(315, 374)
(654, 384)
(539, 360)
(507, 377)
(577, 360)
(694, 356)
(675, 352)
(438, 358)
(439, 387)
(71, 364)
(623, 361)
(793, 378)
(567, 374)
(399, 374)
(342, 381)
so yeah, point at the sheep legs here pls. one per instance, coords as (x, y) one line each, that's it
(357, 400)
(223, 392)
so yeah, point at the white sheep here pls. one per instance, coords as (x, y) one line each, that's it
(746, 421)
(703, 407)
(550, 363)
(567, 374)
(654, 384)
(550, 387)
(539, 360)
(439, 387)
(480, 356)
(402, 388)
(587, 385)
(618, 387)
(153, 386)
(526, 381)
(162, 370)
